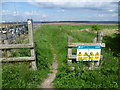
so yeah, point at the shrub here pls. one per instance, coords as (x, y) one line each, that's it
(95, 27)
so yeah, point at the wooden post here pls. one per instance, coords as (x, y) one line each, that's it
(99, 40)
(95, 40)
(0, 43)
(99, 36)
(1, 52)
(69, 49)
(1, 60)
(30, 32)
(91, 64)
(6, 42)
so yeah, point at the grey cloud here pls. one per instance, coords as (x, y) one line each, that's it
(103, 6)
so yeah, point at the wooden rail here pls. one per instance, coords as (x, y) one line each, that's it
(16, 46)
(86, 44)
(18, 59)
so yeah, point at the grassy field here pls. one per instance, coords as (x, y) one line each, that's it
(19, 75)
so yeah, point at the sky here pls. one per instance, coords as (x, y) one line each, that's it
(59, 10)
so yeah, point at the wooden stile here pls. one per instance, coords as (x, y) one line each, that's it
(6, 47)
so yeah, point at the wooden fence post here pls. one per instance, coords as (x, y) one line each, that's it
(95, 40)
(99, 40)
(91, 64)
(30, 32)
(99, 36)
(69, 48)
(6, 42)
(0, 62)
(0, 43)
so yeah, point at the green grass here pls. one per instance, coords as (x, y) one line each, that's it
(18, 75)
(56, 35)
(78, 27)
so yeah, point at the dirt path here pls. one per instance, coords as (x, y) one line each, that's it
(51, 76)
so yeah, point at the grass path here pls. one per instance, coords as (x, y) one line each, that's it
(51, 76)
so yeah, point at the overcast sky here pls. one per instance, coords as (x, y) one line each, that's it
(60, 10)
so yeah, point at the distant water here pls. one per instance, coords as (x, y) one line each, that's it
(112, 22)
(79, 22)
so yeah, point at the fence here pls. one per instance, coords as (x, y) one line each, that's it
(97, 41)
(10, 33)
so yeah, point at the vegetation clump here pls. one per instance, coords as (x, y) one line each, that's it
(95, 27)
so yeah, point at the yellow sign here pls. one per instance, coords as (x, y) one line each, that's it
(88, 53)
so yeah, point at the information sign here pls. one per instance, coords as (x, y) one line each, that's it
(88, 53)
